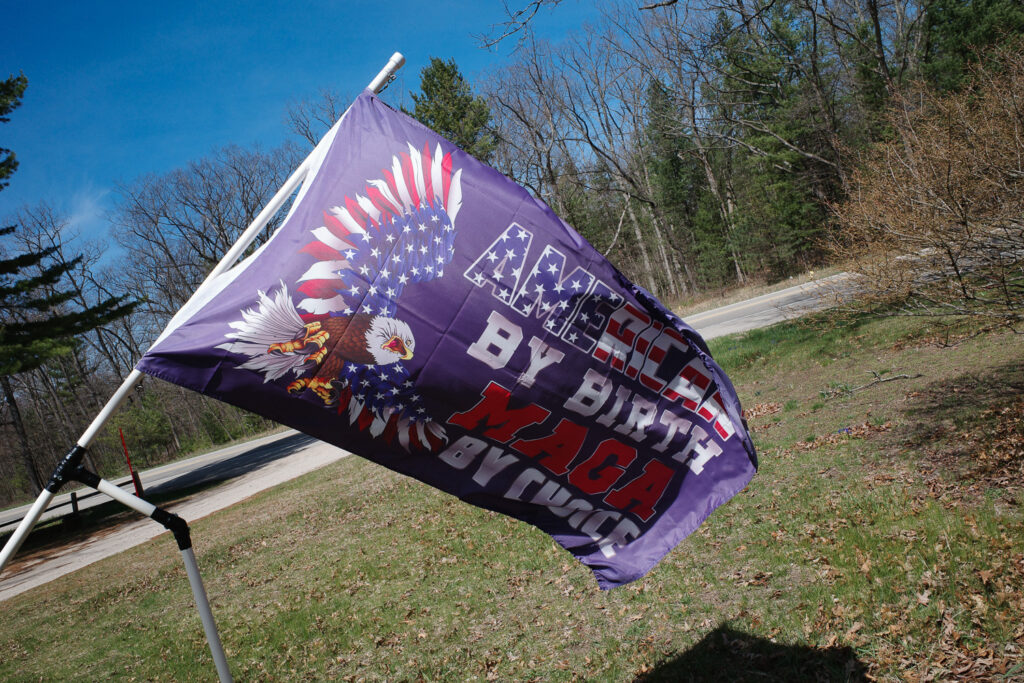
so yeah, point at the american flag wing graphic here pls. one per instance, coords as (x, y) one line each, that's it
(401, 231)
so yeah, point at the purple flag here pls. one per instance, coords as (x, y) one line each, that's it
(419, 309)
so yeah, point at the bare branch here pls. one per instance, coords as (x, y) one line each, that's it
(518, 21)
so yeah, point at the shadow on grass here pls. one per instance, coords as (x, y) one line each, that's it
(56, 533)
(969, 427)
(955, 403)
(729, 655)
(942, 411)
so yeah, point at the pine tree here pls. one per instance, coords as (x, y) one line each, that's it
(36, 324)
(447, 105)
(11, 91)
(678, 182)
(958, 32)
(778, 172)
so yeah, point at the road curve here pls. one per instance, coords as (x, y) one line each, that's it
(768, 309)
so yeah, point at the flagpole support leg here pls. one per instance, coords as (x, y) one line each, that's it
(23, 529)
(70, 468)
(65, 471)
(182, 535)
(205, 614)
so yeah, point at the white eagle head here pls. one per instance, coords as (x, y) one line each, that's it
(389, 340)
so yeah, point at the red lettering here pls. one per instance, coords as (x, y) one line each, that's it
(668, 340)
(620, 334)
(689, 385)
(559, 448)
(493, 412)
(645, 491)
(600, 471)
(643, 343)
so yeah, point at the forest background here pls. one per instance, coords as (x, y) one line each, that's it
(698, 145)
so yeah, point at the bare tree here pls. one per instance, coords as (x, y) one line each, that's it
(177, 226)
(578, 111)
(934, 218)
(310, 119)
(517, 22)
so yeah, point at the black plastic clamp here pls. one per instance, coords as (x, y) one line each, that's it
(70, 468)
(67, 469)
(176, 525)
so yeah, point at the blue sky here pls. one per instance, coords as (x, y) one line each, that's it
(118, 90)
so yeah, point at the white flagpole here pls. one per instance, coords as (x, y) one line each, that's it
(70, 467)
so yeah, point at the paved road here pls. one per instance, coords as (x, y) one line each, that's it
(767, 309)
(219, 465)
(251, 467)
(274, 460)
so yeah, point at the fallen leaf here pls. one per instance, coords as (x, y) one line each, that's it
(857, 625)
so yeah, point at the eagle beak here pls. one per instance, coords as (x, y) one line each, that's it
(397, 346)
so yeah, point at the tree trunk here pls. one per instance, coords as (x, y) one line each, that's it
(69, 428)
(193, 420)
(19, 428)
(883, 66)
(671, 269)
(725, 210)
(88, 381)
(211, 408)
(648, 270)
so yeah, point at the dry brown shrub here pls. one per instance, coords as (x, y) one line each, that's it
(935, 217)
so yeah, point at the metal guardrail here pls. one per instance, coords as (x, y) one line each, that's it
(71, 502)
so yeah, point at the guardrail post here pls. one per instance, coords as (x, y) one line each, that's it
(139, 491)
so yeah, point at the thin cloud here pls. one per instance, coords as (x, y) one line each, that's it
(87, 211)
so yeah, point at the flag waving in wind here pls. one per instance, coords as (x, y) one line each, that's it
(420, 309)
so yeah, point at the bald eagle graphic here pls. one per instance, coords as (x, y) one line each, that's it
(344, 341)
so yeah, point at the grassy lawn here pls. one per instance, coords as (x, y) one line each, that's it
(883, 537)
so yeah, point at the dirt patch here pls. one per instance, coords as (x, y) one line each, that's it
(59, 539)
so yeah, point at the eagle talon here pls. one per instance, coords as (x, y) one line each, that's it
(324, 389)
(318, 357)
(298, 385)
(314, 337)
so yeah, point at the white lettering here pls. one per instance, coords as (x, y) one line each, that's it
(541, 356)
(498, 341)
